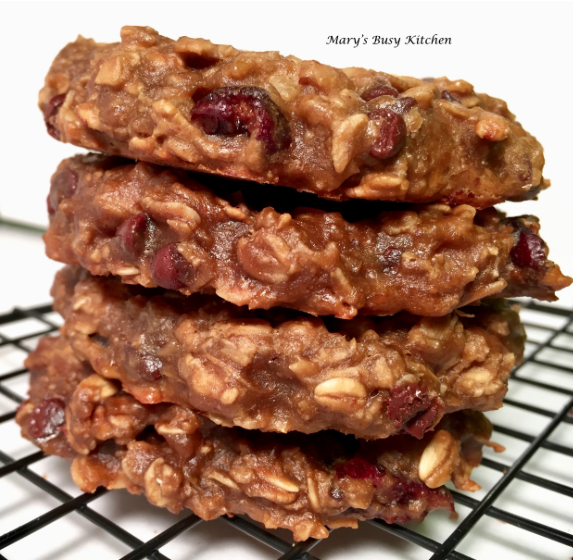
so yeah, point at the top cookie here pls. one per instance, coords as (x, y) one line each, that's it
(349, 133)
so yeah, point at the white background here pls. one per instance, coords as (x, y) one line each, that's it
(519, 51)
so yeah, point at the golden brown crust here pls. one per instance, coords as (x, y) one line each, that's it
(155, 226)
(283, 371)
(179, 459)
(274, 119)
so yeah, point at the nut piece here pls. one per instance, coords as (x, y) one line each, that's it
(348, 136)
(98, 387)
(287, 86)
(438, 459)
(492, 127)
(265, 257)
(115, 71)
(378, 185)
(423, 94)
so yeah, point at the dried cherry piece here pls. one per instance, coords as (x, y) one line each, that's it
(449, 96)
(50, 113)
(47, 419)
(132, 233)
(168, 267)
(407, 400)
(393, 133)
(63, 185)
(404, 105)
(529, 249)
(360, 469)
(392, 257)
(233, 111)
(377, 91)
(410, 407)
(407, 490)
(149, 367)
(425, 420)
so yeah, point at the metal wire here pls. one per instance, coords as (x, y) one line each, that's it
(439, 550)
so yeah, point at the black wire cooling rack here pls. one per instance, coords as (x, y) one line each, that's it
(552, 338)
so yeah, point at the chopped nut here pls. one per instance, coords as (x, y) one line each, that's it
(241, 350)
(455, 109)
(348, 138)
(115, 71)
(478, 381)
(375, 186)
(322, 77)
(383, 373)
(100, 387)
(287, 86)
(204, 381)
(423, 94)
(265, 257)
(492, 127)
(204, 50)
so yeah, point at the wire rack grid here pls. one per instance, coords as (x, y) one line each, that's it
(538, 420)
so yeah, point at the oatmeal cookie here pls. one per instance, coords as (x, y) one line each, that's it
(154, 226)
(280, 370)
(348, 133)
(179, 459)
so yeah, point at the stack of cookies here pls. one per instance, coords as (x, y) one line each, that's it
(264, 304)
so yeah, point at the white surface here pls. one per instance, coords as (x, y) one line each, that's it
(27, 273)
(519, 51)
